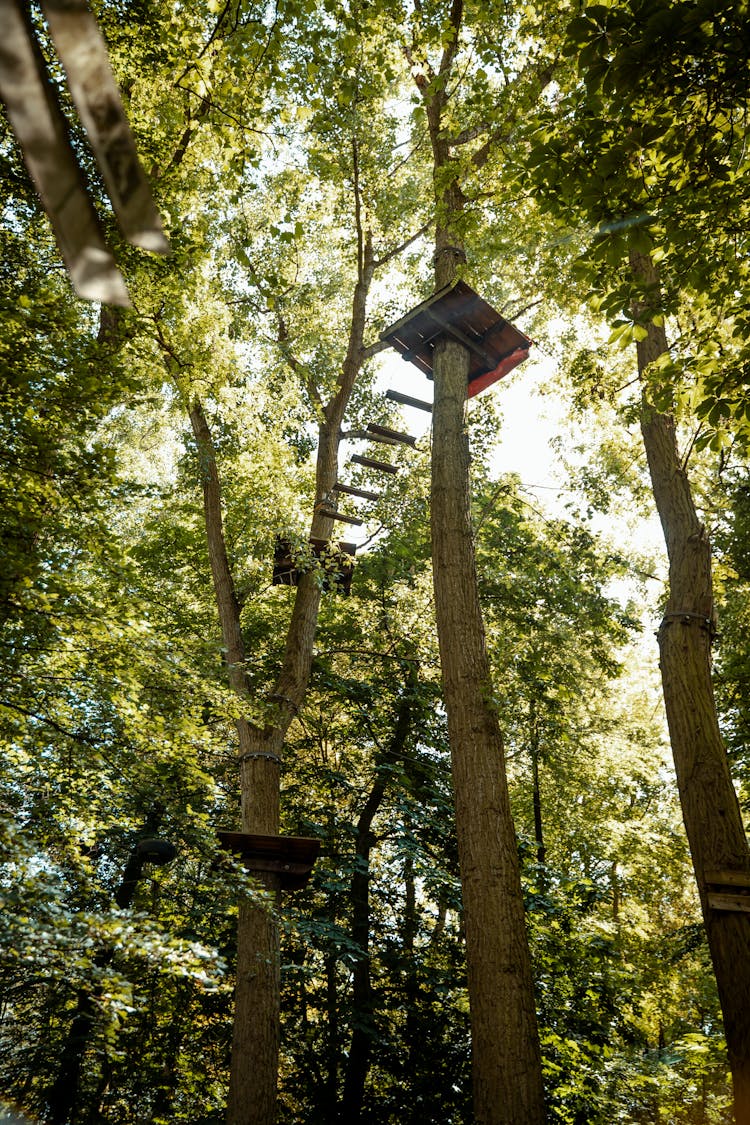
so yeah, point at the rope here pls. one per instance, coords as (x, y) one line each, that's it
(259, 754)
(686, 618)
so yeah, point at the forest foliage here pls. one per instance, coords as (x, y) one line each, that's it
(284, 142)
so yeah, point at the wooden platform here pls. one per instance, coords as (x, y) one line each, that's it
(337, 560)
(290, 857)
(495, 345)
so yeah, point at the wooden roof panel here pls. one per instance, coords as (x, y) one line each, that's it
(458, 311)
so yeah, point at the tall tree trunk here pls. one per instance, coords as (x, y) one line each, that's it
(710, 808)
(506, 1064)
(506, 1061)
(255, 1043)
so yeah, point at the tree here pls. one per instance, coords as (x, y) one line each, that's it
(647, 216)
(506, 1066)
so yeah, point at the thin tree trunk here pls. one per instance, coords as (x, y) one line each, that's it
(541, 850)
(65, 1094)
(363, 1033)
(413, 1045)
(710, 809)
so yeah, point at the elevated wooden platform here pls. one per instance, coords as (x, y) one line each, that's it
(290, 857)
(495, 345)
(337, 560)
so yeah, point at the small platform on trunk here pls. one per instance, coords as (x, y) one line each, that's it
(495, 345)
(336, 559)
(290, 857)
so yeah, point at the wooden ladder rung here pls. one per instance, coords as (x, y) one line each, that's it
(332, 514)
(371, 463)
(727, 877)
(380, 432)
(737, 903)
(407, 400)
(349, 490)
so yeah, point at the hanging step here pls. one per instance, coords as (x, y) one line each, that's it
(349, 490)
(380, 432)
(370, 463)
(407, 400)
(290, 857)
(332, 514)
(335, 559)
(382, 439)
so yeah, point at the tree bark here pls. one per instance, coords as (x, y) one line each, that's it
(506, 1059)
(506, 1065)
(710, 809)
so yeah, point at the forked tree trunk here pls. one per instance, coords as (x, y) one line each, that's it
(253, 1079)
(710, 808)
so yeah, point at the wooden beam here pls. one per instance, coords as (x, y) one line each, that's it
(473, 345)
(42, 131)
(83, 53)
(739, 903)
(370, 463)
(407, 400)
(332, 514)
(727, 878)
(381, 439)
(390, 435)
(349, 490)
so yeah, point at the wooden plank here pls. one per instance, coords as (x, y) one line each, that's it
(407, 400)
(381, 439)
(459, 312)
(727, 878)
(349, 490)
(42, 132)
(83, 53)
(472, 343)
(332, 514)
(370, 463)
(391, 435)
(290, 857)
(738, 903)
